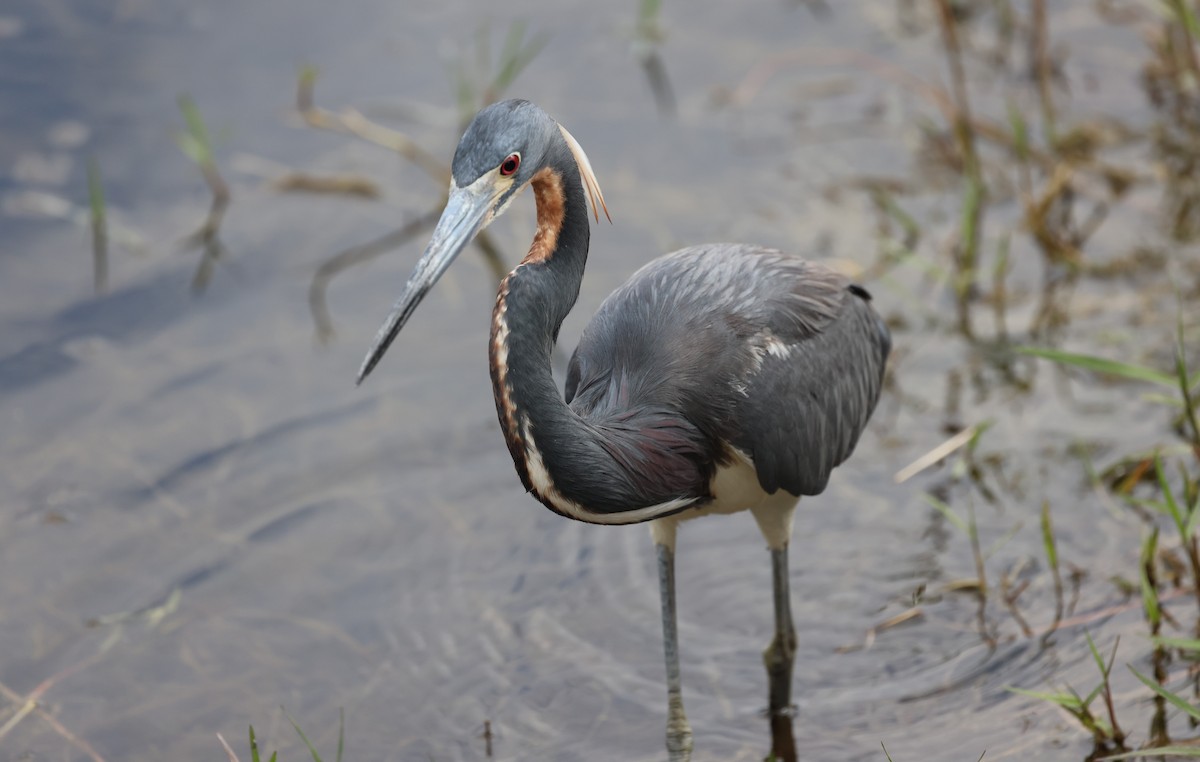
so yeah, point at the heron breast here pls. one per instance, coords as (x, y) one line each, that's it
(734, 485)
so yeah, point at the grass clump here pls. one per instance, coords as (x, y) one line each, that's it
(316, 755)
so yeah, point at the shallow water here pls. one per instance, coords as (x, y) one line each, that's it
(202, 519)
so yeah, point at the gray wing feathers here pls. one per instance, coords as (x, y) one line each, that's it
(817, 351)
(778, 357)
(807, 405)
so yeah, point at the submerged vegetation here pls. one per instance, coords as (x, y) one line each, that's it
(476, 84)
(316, 755)
(1036, 187)
(197, 145)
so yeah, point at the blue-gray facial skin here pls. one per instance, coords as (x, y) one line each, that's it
(496, 132)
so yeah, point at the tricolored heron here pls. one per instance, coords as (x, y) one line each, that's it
(718, 379)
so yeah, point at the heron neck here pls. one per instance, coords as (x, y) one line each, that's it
(532, 303)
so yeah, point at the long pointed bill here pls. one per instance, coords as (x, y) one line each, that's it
(467, 212)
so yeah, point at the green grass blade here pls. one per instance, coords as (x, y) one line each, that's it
(972, 526)
(510, 54)
(253, 746)
(1185, 16)
(99, 224)
(1068, 701)
(191, 148)
(1087, 701)
(517, 48)
(1097, 657)
(1181, 375)
(1003, 540)
(648, 13)
(341, 733)
(516, 56)
(1163, 399)
(311, 749)
(95, 192)
(1193, 516)
(973, 199)
(1155, 505)
(1169, 500)
(198, 145)
(1149, 594)
(912, 229)
(1102, 365)
(1183, 644)
(1019, 130)
(980, 428)
(308, 75)
(1048, 536)
(1180, 703)
(947, 511)
(464, 93)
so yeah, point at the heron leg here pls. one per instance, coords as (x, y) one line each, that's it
(679, 732)
(780, 655)
(775, 521)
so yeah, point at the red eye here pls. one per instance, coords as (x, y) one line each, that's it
(509, 165)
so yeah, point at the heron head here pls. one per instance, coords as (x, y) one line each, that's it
(501, 152)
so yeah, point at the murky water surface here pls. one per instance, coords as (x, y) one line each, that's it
(202, 519)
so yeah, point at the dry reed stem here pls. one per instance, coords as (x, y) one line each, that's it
(936, 454)
(29, 705)
(351, 121)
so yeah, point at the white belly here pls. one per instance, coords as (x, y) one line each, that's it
(735, 488)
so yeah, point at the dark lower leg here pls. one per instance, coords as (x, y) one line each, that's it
(679, 733)
(779, 658)
(780, 654)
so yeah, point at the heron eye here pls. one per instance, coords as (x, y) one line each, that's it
(509, 165)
